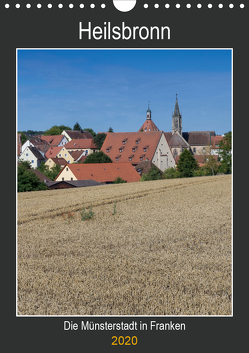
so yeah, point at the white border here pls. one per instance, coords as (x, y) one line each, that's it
(124, 316)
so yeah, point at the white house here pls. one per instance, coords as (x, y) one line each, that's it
(32, 155)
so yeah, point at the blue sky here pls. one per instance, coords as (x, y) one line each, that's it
(111, 88)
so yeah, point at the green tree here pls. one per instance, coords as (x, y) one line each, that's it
(225, 153)
(56, 130)
(23, 137)
(99, 140)
(170, 173)
(93, 133)
(77, 127)
(119, 180)
(153, 174)
(110, 129)
(50, 173)
(54, 171)
(186, 164)
(98, 157)
(210, 163)
(43, 168)
(27, 180)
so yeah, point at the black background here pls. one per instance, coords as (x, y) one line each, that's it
(58, 28)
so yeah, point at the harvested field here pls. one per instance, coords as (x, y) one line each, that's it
(166, 250)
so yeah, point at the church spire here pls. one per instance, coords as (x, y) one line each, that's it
(176, 119)
(177, 111)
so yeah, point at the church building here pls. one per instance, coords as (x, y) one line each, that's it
(194, 141)
(153, 146)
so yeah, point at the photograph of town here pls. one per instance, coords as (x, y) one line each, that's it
(124, 182)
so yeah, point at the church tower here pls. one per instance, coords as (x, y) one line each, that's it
(148, 113)
(176, 119)
(148, 125)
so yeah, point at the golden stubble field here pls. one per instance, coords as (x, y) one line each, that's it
(166, 251)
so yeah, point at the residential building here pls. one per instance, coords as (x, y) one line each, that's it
(32, 155)
(135, 147)
(102, 172)
(37, 142)
(75, 134)
(215, 144)
(51, 162)
(55, 140)
(59, 152)
(83, 145)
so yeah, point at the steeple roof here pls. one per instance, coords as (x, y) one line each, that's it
(148, 125)
(177, 110)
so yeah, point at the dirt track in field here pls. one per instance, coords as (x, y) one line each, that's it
(166, 250)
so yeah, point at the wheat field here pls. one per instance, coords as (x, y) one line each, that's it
(153, 248)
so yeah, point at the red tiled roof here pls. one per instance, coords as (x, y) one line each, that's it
(60, 161)
(103, 172)
(80, 143)
(216, 140)
(77, 134)
(52, 152)
(199, 158)
(53, 140)
(148, 126)
(116, 139)
(76, 154)
(82, 158)
(37, 141)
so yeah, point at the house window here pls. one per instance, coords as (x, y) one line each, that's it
(130, 157)
(142, 157)
(125, 140)
(32, 161)
(145, 148)
(118, 157)
(59, 155)
(71, 178)
(62, 179)
(65, 154)
(138, 140)
(134, 149)
(27, 154)
(194, 149)
(67, 169)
